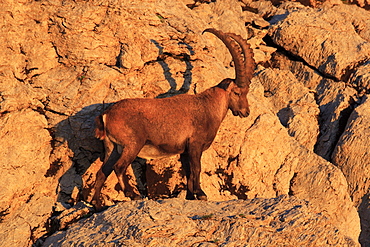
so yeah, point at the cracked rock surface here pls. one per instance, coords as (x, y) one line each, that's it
(305, 142)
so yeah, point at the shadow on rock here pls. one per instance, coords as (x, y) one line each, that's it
(78, 155)
(77, 150)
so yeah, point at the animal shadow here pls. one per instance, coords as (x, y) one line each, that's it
(187, 75)
(76, 136)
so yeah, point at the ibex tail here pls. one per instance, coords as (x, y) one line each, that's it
(99, 127)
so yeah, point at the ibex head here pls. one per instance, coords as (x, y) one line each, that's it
(242, 55)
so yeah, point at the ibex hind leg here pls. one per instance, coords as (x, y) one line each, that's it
(111, 157)
(127, 157)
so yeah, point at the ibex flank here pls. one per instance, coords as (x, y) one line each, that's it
(182, 124)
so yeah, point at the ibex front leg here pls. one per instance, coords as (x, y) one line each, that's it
(192, 166)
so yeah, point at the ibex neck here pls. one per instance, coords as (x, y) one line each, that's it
(216, 100)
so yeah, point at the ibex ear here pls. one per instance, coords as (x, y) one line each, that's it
(225, 83)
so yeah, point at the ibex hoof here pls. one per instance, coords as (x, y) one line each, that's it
(132, 195)
(98, 205)
(202, 197)
(136, 197)
(190, 196)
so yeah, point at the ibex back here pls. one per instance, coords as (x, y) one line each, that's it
(182, 124)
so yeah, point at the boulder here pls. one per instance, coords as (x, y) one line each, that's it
(334, 48)
(352, 157)
(294, 104)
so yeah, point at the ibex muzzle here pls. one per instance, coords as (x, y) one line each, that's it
(182, 124)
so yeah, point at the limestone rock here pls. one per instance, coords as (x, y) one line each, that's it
(352, 157)
(64, 62)
(176, 222)
(310, 77)
(333, 47)
(360, 79)
(24, 189)
(293, 103)
(336, 103)
(71, 215)
(335, 100)
(357, 17)
(17, 149)
(361, 3)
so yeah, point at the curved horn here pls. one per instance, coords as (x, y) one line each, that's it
(249, 63)
(244, 63)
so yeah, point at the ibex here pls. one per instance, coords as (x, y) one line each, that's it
(182, 124)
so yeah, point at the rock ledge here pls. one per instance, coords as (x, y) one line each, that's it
(177, 222)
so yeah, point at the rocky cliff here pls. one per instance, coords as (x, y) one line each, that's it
(303, 152)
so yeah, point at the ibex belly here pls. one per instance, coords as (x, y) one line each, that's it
(153, 152)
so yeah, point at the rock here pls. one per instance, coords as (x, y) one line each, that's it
(310, 77)
(265, 9)
(357, 17)
(311, 3)
(11, 89)
(352, 157)
(335, 100)
(362, 3)
(23, 42)
(334, 48)
(336, 103)
(26, 199)
(64, 62)
(293, 103)
(360, 79)
(17, 149)
(176, 222)
(71, 215)
(255, 175)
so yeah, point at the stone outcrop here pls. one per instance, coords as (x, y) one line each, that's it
(338, 46)
(176, 222)
(303, 147)
(340, 83)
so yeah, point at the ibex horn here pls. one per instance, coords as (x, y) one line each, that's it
(244, 62)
